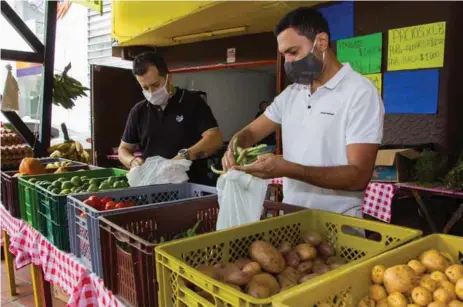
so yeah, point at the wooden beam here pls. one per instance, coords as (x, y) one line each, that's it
(21, 56)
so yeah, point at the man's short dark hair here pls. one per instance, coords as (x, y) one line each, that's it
(306, 21)
(142, 62)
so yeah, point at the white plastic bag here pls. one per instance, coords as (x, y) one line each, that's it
(241, 199)
(158, 170)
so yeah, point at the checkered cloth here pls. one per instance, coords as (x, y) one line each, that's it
(59, 268)
(377, 201)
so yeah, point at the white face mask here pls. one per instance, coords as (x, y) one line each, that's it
(158, 97)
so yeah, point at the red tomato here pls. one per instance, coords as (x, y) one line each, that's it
(120, 205)
(106, 200)
(110, 205)
(83, 214)
(88, 202)
(130, 203)
(96, 202)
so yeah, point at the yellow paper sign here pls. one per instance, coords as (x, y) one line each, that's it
(96, 5)
(377, 80)
(416, 47)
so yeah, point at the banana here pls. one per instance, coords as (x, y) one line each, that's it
(57, 164)
(79, 147)
(85, 156)
(56, 154)
(64, 146)
(70, 151)
(53, 148)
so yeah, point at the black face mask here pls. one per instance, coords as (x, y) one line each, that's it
(305, 70)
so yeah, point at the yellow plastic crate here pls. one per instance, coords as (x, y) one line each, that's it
(175, 261)
(343, 291)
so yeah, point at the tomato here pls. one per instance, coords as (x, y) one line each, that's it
(121, 205)
(106, 200)
(130, 203)
(96, 202)
(110, 205)
(83, 214)
(88, 202)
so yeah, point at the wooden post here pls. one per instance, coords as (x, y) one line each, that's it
(9, 263)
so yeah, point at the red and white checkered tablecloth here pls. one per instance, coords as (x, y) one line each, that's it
(377, 201)
(59, 268)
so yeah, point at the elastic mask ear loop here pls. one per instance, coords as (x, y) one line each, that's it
(313, 47)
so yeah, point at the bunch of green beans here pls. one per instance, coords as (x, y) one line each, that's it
(244, 156)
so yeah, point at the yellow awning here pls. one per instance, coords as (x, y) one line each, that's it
(165, 23)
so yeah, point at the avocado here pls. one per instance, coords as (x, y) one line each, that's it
(56, 184)
(94, 181)
(65, 192)
(73, 189)
(82, 178)
(112, 180)
(62, 179)
(104, 186)
(118, 185)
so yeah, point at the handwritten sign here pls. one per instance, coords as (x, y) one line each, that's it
(362, 52)
(377, 81)
(416, 47)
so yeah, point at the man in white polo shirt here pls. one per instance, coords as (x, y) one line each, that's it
(331, 119)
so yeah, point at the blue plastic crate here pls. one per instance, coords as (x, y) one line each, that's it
(84, 232)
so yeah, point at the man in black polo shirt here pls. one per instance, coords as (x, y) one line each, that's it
(171, 122)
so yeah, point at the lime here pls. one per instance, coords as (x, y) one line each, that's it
(73, 189)
(62, 179)
(84, 178)
(92, 188)
(66, 185)
(118, 185)
(65, 192)
(56, 184)
(94, 181)
(33, 180)
(55, 191)
(76, 181)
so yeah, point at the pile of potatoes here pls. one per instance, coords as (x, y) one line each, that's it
(269, 270)
(433, 280)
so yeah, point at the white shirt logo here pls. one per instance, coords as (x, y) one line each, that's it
(179, 118)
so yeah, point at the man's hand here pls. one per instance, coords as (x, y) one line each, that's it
(267, 166)
(136, 162)
(228, 160)
(178, 157)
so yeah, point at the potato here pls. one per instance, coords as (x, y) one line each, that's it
(413, 305)
(258, 291)
(459, 288)
(269, 258)
(305, 251)
(321, 269)
(396, 299)
(225, 269)
(311, 237)
(241, 262)
(434, 261)
(455, 303)
(318, 261)
(442, 295)
(437, 304)
(207, 296)
(429, 284)
(234, 287)
(307, 277)
(454, 272)
(448, 257)
(266, 280)
(438, 276)
(377, 293)
(324, 305)
(305, 267)
(417, 266)
(291, 274)
(400, 278)
(325, 250)
(252, 268)
(286, 284)
(285, 247)
(382, 303)
(238, 278)
(367, 302)
(447, 285)
(377, 274)
(421, 296)
(292, 259)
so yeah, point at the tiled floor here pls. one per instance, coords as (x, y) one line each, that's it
(24, 295)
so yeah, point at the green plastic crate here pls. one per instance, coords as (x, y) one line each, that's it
(46, 211)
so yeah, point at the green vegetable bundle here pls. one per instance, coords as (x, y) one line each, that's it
(244, 156)
(67, 89)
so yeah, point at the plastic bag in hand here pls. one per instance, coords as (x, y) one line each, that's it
(158, 170)
(241, 199)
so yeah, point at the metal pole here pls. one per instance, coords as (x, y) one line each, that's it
(48, 69)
